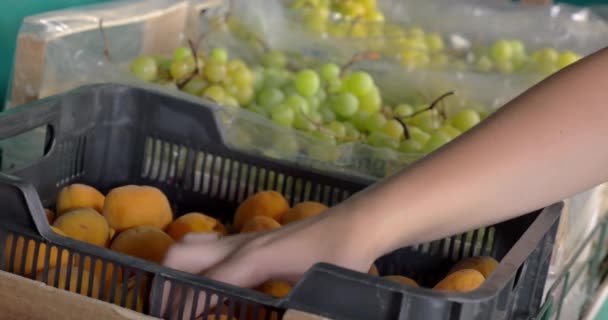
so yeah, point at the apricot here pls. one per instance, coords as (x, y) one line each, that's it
(373, 270)
(461, 281)
(303, 210)
(275, 288)
(79, 196)
(85, 225)
(98, 270)
(194, 222)
(74, 272)
(221, 317)
(271, 204)
(401, 279)
(112, 233)
(486, 265)
(28, 267)
(145, 242)
(260, 223)
(133, 206)
(50, 216)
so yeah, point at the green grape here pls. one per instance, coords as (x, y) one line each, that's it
(230, 89)
(371, 102)
(236, 65)
(315, 117)
(465, 119)
(359, 83)
(518, 48)
(359, 120)
(375, 122)
(416, 32)
(344, 104)
(290, 90)
(321, 95)
(450, 131)
(302, 123)
(501, 51)
(298, 103)
(230, 101)
(567, 58)
(413, 44)
(258, 79)
(393, 129)
(327, 114)
(427, 120)
(414, 58)
(546, 60)
(215, 93)
(505, 67)
(162, 62)
(438, 139)
(244, 95)
(330, 71)
(275, 78)
(180, 69)
(410, 146)
(181, 53)
(382, 140)
(219, 55)
(334, 85)
(313, 102)
(418, 135)
(403, 110)
(274, 59)
(484, 64)
(434, 42)
(283, 115)
(215, 72)
(323, 152)
(374, 16)
(241, 77)
(338, 129)
(270, 97)
(144, 68)
(324, 136)
(195, 86)
(307, 82)
(350, 132)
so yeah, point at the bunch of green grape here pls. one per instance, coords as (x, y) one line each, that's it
(213, 76)
(417, 48)
(328, 102)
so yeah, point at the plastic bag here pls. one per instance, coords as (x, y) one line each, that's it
(96, 44)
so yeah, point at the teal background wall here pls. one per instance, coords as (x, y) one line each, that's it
(11, 15)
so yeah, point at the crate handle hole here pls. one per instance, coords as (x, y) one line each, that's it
(26, 148)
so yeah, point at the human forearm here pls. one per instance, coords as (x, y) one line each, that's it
(543, 146)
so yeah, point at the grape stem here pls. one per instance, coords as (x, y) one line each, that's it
(356, 20)
(318, 126)
(194, 55)
(406, 131)
(433, 105)
(106, 47)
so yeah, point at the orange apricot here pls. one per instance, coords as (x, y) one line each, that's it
(271, 204)
(73, 285)
(303, 210)
(373, 270)
(133, 206)
(145, 242)
(401, 279)
(28, 267)
(484, 264)
(275, 288)
(50, 216)
(79, 196)
(137, 305)
(461, 281)
(194, 222)
(85, 225)
(260, 223)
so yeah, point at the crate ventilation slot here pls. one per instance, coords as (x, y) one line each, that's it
(71, 153)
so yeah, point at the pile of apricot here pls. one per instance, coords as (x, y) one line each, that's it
(138, 221)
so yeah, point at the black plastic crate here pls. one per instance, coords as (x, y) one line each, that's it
(110, 135)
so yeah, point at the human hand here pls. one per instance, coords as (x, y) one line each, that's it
(247, 260)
